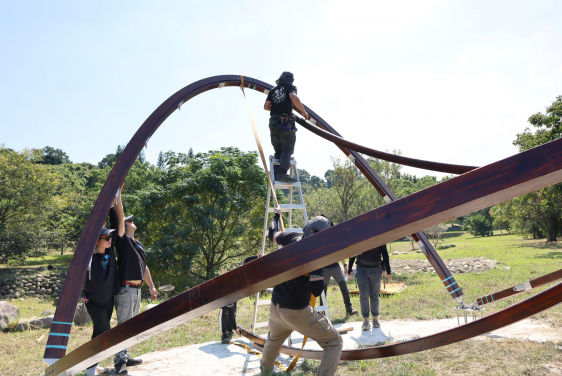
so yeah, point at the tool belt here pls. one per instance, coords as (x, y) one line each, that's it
(287, 122)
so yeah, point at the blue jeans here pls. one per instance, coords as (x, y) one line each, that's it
(127, 305)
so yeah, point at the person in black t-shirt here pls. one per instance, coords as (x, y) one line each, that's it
(101, 285)
(290, 307)
(279, 102)
(132, 270)
(370, 266)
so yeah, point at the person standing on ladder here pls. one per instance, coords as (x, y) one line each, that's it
(279, 102)
(290, 307)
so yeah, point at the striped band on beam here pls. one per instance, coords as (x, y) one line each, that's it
(59, 334)
(451, 284)
(454, 291)
(446, 279)
(56, 347)
(63, 323)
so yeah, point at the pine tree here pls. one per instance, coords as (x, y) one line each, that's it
(190, 154)
(161, 163)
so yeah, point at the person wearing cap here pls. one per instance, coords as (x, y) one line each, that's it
(132, 270)
(279, 102)
(102, 284)
(290, 307)
(370, 266)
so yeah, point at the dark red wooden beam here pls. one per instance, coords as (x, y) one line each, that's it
(412, 162)
(532, 284)
(517, 175)
(538, 303)
(56, 345)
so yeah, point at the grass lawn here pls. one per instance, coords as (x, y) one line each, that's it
(425, 298)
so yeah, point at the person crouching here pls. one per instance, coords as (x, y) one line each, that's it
(290, 307)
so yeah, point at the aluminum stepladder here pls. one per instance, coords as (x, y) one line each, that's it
(285, 208)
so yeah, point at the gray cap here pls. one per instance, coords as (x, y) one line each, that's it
(315, 225)
(129, 218)
(105, 231)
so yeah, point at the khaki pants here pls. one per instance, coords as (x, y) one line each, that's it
(282, 322)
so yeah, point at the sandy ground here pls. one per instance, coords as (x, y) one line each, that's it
(214, 358)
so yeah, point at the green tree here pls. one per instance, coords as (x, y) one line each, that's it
(26, 196)
(203, 213)
(161, 162)
(54, 156)
(542, 208)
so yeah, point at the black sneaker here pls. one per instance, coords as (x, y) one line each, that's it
(133, 362)
(284, 178)
(121, 368)
(230, 335)
(350, 312)
(225, 339)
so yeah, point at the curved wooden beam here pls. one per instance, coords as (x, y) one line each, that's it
(532, 284)
(538, 303)
(57, 345)
(419, 163)
(486, 186)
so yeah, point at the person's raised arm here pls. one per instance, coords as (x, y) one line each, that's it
(297, 102)
(274, 226)
(120, 213)
(152, 288)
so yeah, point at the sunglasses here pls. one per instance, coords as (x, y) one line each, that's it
(108, 238)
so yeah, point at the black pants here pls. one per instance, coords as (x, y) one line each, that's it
(283, 142)
(227, 318)
(101, 315)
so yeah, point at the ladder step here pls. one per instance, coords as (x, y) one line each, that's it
(276, 161)
(287, 207)
(264, 302)
(298, 230)
(261, 325)
(281, 185)
(322, 308)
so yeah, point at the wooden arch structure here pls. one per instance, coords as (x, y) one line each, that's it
(475, 189)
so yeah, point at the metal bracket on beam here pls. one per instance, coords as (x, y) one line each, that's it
(351, 158)
(387, 199)
(312, 121)
(422, 247)
(179, 106)
(221, 85)
(266, 92)
(523, 287)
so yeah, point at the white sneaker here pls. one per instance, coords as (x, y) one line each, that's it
(366, 324)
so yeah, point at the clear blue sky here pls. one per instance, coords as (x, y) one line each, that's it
(440, 80)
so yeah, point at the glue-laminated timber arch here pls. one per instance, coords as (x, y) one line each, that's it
(56, 345)
(479, 188)
(489, 185)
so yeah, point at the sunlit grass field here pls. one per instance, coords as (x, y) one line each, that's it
(424, 299)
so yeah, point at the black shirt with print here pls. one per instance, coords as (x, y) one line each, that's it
(280, 101)
(295, 293)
